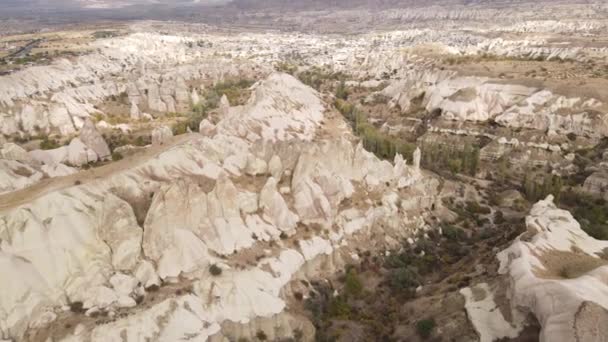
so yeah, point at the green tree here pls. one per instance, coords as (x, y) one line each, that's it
(352, 284)
(529, 187)
(455, 165)
(341, 91)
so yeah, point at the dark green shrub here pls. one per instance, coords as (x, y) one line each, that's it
(476, 208)
(425, 327)
(499, 217)
(453, 233)
(592, 214)
(403, 278)
(261, 335)
(215, 270)
(77, 307)
(298, 334)
(341, 91)
(352, 284)
(142, 141)
(338, 307)
(116, 156)
(49, 144)
(180, 128)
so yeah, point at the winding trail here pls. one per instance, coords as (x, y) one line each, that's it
(16, 198)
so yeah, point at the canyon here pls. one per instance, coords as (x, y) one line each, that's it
(412, 173)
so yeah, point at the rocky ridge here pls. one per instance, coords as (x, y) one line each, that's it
(165, 72)
(83, 246)
(554, 271)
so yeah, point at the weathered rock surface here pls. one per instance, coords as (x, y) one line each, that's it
(555, 272)
(480, 100)
(597, 184)
(170, 218)
(161, 135)
(93, 140)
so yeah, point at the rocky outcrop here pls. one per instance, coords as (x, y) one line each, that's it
(161, 135)
(554, 271)
(93, 140)
(59, 97)
(135, 113)
(165, 71)
(487, 317)
(20, 169)
(98, 229)
(89, 147)
(477, 99)
(191, 217)
(265, 110)
(597, 184)
(15, 175)
(206, 128)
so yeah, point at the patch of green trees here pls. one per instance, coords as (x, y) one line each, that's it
(536, 189)
(315, 77)
(375, 141)
(591, 213)
(456, 159)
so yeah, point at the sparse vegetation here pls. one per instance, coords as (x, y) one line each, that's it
(49, 144)
(116, 140)
(341, 91)
(122, 98)
(439, 157)
(180, 127)
(352, 284)
(261, 335)
(286, 67)
(535, 190)
(487, 57)
(453, 233)
(237, 92)
(383, 145)
(215, 270)
(591, 213)
(77, 307)
(116, 156)
(425, 327)
(104, 34)
(315, 77)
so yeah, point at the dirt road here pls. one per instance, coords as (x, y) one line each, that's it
(25, 195)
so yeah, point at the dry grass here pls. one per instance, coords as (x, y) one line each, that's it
(566, 265)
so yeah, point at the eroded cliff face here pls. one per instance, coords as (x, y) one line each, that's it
(155, 73)
(224, 233)
(233, 221)
(554, 271)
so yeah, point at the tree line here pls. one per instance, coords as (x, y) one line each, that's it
(456, 159)
(375, 141)
(535, 190)
(436, 157)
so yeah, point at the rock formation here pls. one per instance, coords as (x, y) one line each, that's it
(161, 135)
(222, 235)
(194, 206)
(554, 271)
(93, 140)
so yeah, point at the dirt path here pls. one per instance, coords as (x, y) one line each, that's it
(25, 195)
